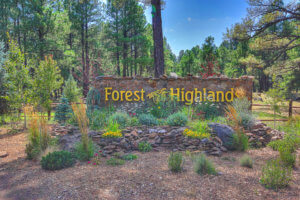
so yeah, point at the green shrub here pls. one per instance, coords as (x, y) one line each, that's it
(134, 121)
(121, 118)
(207, 109)
(57, 160)
(71, 91)
(98, 119)
(115, 161)
(274, 175)
(247, 120)
(129, 157)
(148, 119)
(177, 119)
(144, 146)
(83, 153)
(63, 111)
(32, 151)
(113, 127)
(286, 156)
(240, 142)
(165, 106)
(290, 141)
(246, 161)
(93, 99)
(175, 162)
(204, 166)
(275, 144)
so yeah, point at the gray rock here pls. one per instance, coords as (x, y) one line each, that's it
(68, 141)
(224, 132)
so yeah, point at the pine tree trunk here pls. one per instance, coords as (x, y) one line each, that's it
(158, 39)
(118, 63)
(87, 67)
(135, 59)
(82, 57)
(125, 50)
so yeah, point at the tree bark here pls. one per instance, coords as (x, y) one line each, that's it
(159, 64)
(82, 57)
(125, 55)
(87, 63)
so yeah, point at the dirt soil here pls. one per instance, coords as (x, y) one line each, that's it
(147, 177)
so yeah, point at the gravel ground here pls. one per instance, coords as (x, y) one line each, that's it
(147, 177)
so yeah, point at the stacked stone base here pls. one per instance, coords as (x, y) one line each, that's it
(159, 137)
(166, 137)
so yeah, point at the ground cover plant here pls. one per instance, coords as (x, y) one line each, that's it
(115, 161)
(129, 157)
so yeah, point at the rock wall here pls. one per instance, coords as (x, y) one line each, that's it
(168, 137)
(188, 83)
(161, 137)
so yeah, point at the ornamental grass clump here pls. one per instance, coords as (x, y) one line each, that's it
(275, 175)
(246, 161)
(240, 140)
(202, 165)
(175, 162)
(85, 148)
(39, 138)
(148, 120)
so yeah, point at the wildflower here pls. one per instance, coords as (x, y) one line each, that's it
(100, 151)
(133, 114)
(89, 162)
(94, 163)
(96, 154)
(158, 107)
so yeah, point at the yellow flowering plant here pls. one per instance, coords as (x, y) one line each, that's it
(195, 134)
(111, 134)
(112, 130)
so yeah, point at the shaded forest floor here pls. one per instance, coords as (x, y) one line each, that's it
(147, 177)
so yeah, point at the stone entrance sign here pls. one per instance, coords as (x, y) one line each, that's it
(187, 90)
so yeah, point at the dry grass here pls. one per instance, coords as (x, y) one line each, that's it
(83, 121)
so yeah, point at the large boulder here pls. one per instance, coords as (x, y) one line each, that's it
(224, 132)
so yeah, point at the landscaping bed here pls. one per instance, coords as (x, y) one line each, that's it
(147, 177)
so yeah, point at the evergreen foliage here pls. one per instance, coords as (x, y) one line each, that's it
(71, 90)
(57, 160)
(63, 111)
(93, 100)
